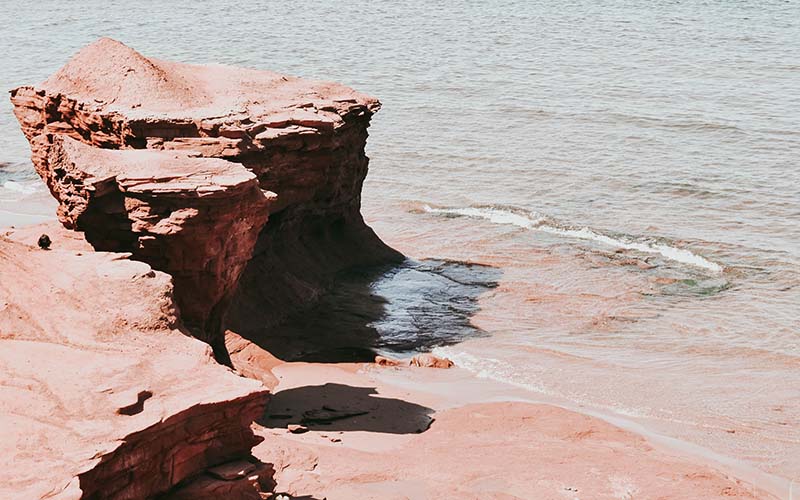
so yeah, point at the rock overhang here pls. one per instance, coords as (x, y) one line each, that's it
(159, 159)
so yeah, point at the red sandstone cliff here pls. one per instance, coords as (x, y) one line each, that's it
(193, 211)
(103, 395)
(197, 218)
(244, 187)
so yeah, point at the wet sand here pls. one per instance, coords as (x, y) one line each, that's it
(641, 342)
(33, 208)
(377, 432)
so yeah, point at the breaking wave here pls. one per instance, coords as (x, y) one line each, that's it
(536, 222)
(19, 187)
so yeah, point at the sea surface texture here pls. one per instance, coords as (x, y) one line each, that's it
(630, 170)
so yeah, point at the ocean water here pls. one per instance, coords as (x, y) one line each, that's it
(630, 169)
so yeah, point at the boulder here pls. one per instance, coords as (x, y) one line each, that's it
(427, 360)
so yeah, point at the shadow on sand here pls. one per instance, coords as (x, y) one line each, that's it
(411, 307)
(406, 308)
(338, 407)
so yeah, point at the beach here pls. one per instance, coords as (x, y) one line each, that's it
(432, 433)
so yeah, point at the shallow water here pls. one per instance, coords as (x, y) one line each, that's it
(414, 306)
(630, 168)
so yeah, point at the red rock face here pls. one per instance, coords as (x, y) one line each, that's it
(158, 458)
(193, 209)
(100, 385)
(197, 218)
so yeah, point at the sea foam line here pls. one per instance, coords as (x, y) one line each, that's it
(19, 188)
(539, 223)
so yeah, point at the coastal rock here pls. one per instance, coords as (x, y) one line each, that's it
(251, 360)
(239, 480)
(303, 140)
(427, 360)
(44, 242)
(101, 383)
(244, 186)
(232, 470)
(424, 360)
(196, 218)
(384, 361)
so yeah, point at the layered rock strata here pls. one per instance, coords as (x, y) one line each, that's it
(198, 218)
(300, 139)
(104, 396)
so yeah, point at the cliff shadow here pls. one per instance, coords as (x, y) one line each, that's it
(338, 407)
(411, 307)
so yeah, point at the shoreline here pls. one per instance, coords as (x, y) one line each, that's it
(780, 483)
(450, 395)
(27, 209)
(502, 390)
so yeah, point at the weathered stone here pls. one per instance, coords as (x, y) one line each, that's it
(427, 360)
(99, 382)
(196, 218)
(303, 140)
(384, 361)
(297, 428)
(424, 360)
(251, 360)
(176, 166)
(257, 484)
(231, 471)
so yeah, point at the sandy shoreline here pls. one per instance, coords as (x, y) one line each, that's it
(484, 440)
(214, 333)
(23, 210)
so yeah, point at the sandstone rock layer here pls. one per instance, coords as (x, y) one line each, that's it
(211, 153)
(198, 218)
(103, 394)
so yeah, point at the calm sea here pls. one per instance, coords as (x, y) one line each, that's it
(630, 170)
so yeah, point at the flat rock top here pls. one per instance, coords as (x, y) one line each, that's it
(112, 77)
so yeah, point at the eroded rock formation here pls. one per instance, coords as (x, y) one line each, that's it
(243, 187)
(192, 209)
(103, 395)
(198, 218)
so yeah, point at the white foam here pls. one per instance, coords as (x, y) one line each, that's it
(491, 214)
(488, 369)
(19, 188)
(538, 223)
